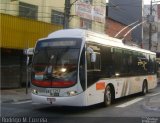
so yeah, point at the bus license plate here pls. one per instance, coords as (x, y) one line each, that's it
(51, 100)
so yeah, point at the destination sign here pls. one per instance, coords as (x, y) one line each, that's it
(57, 43)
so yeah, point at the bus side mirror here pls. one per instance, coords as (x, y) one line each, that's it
(93, 57)
(28, 59)
(28, 51)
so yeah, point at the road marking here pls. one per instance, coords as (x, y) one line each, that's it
(129, 103)
(35, 103)
(22, 102)
(150, 95)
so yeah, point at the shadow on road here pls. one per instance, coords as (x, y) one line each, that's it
(69, 110)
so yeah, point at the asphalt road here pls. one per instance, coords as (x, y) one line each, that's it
(130, 109)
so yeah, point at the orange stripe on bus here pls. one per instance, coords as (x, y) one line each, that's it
(40, 73)
(100, 86)
(150, 78)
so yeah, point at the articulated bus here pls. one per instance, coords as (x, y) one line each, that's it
(75, 67)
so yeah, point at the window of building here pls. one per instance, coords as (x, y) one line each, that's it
(28, 10)
(57, 17)
(85, 23)
(87, 1)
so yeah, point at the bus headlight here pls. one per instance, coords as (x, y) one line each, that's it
(34, 91)
(63, 70)
(72, 93)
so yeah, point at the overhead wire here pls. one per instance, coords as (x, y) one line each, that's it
(123, 12)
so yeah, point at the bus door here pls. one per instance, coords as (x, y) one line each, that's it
(93, 64)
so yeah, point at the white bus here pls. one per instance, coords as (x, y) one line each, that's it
(76, 67)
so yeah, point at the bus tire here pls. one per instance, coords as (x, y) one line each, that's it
(108, 96)
(144, 88)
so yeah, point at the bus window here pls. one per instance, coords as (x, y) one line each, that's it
(55, 63)
(151, 68)
(117, 59)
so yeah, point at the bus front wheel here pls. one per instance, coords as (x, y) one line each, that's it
(108, 96)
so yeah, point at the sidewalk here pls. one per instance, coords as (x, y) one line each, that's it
(15, 95)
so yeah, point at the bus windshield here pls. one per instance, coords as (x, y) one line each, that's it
(55, 66)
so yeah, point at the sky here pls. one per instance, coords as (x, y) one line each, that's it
(145, 1)
(149, 1)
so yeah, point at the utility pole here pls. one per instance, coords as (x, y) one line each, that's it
(151, 19)
(66, 14)
(150, 27)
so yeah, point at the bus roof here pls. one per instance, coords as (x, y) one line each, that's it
(91, 36)
(67, 33)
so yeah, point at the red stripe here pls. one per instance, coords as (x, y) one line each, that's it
(53, 83)
(41, 83)
(62, 84)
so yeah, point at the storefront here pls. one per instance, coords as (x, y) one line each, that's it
(18, 34)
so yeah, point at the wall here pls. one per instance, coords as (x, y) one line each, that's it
(20, 33)
(17, 34)
(127, 12)
(45, 7)
(113, 27)
(96, 26)
(155, 36)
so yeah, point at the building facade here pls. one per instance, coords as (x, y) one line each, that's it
(18, 34)
(155, 28)
(114, 27)
(86, 14)
(127, 12)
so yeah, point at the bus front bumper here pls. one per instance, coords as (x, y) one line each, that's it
(78, 100)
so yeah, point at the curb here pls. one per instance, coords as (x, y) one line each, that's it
(13, 101)
(23, 100)
(7, 101)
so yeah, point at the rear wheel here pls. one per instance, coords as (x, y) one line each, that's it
(108, 96)
(144, 88)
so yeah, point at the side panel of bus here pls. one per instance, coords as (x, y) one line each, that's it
(125, 70)
(122, 87)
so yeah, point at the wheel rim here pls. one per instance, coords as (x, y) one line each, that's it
(145, 89)
(108, 96)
